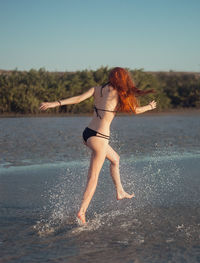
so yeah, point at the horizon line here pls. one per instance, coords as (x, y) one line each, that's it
(87, 69)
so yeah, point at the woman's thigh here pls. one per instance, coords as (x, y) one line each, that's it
(97, 144)
(99, 150)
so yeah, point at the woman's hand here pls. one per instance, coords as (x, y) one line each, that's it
(46, 105)
(153, 104)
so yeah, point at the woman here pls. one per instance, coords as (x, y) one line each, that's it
(119, 94)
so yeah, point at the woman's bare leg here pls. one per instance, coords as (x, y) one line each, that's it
(113, 157)
(99, 150)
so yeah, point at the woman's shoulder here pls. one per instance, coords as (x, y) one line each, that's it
(105, 89)
(112, 90)
(110, 87)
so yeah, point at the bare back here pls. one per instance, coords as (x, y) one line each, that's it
(104, 98)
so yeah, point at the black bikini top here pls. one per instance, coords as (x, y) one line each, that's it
(97, 109)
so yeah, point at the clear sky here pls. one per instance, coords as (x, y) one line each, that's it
(64, 35)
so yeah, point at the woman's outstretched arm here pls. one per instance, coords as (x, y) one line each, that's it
(72, 100)
(150, 106)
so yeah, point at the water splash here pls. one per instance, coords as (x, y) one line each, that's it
(62, 201)
(153, 179)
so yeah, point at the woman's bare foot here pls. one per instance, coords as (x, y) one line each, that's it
(81, 217)
(123, 194)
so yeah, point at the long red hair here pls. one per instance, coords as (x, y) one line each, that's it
(120, 79)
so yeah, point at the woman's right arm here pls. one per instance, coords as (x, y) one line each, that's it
(150, 106)
(72, 100)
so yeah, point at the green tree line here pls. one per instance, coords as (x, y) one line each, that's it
(23, 91)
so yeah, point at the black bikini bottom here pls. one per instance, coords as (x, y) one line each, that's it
(87, 133)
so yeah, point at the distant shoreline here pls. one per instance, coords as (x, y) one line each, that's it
(181, 111)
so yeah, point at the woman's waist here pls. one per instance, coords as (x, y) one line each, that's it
(100, 126)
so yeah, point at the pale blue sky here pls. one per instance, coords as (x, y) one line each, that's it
(63, 35)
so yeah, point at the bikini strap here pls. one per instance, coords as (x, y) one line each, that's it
(104, 109)
(107, 138)
(97, 113)
(101, 135)
(103, 87)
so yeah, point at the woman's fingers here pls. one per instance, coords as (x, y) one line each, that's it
(44, 106)
(153, 104)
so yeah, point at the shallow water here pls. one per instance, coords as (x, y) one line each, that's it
(43, 170)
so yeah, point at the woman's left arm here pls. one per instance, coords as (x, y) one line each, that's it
(72, 100)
